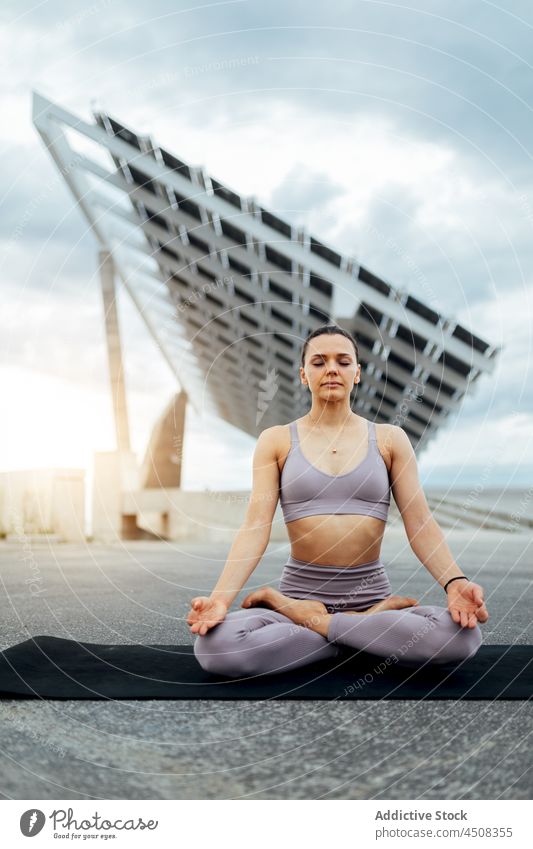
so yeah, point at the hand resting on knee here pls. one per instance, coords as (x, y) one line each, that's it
(205, 613)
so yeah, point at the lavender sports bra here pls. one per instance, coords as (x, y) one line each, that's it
(306, 491)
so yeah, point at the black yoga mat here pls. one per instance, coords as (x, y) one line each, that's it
(56, 668)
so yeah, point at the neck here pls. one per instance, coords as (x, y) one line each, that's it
(333, 414)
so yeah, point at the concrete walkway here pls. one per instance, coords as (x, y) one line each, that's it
(140, 592)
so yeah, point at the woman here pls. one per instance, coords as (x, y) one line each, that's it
(333, 472)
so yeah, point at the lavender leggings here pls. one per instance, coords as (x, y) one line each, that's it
(261, 641)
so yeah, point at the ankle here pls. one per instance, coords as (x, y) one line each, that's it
(320, 623)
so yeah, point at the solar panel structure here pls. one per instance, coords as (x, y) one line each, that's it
(229, 289)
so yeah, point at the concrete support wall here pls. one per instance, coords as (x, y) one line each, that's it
(164, 456)
(68, 505)
(114, 473)
(179, 515)
(43, 501)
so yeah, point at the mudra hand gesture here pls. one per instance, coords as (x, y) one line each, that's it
(466, 604)
(205, 613)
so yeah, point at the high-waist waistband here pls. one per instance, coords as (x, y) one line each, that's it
(360, 569)
(338, 587)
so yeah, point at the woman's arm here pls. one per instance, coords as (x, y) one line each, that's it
(253, 536)
(465, 598)
(423, 532)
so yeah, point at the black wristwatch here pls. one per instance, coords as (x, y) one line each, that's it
(457, 578)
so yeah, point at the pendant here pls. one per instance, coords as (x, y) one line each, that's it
(333, 450)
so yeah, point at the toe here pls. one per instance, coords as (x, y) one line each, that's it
(255, 597)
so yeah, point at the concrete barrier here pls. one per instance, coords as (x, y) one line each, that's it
(43, 502)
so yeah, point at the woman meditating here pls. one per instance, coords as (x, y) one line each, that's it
(333, 472)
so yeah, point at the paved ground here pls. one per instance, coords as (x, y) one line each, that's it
(259, 750)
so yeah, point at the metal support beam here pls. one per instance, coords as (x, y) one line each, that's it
(114, 350)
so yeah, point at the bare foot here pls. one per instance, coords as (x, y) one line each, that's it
(301, 611)
(310, 612)
(393, 602)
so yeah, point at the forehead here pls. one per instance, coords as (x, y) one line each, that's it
(330, 345)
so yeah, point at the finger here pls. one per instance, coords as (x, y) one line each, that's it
(478, 595)
(464, 618)
(482, 614)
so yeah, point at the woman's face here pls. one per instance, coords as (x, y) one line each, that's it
(330, 368)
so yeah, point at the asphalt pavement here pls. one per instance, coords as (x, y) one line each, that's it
(140, 592)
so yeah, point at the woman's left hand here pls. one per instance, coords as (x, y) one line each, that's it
(466, 603)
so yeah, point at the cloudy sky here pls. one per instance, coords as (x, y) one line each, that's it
(398, 133)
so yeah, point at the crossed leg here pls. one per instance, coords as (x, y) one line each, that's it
(426, 633)
(259, 641)
(263, 641)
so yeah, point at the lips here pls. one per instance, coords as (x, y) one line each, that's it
(331, 384)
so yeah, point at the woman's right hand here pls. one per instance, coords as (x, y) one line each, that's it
(205, 613)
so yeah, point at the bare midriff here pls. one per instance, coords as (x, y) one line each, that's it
(336, 540)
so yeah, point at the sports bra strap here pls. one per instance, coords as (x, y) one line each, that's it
(371, 431)
(294, 434)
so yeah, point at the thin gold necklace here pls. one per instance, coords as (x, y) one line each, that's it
(333, 450)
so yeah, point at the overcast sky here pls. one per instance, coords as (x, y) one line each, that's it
(399, 134)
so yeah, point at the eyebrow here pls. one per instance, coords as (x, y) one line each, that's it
(325, 355)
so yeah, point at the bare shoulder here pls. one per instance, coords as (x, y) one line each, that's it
(274, 440)
(392, 440)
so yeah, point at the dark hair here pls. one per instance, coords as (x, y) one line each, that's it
(330, 329)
